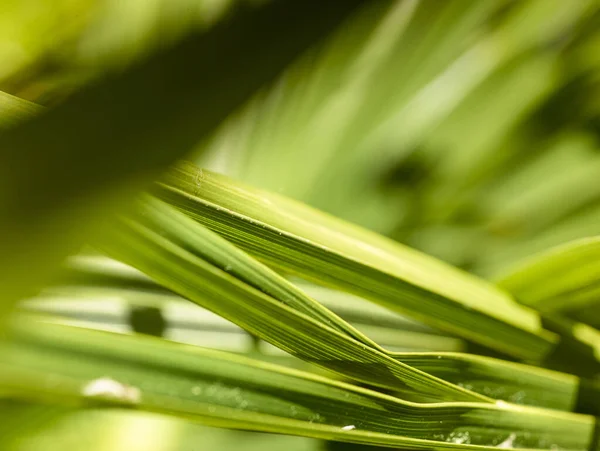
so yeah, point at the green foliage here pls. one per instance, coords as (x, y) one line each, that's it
(404, 252)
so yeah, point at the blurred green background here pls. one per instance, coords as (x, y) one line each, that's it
(467, 129)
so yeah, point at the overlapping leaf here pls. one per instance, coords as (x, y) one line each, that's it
(79, 367)
(95, 278)
(303, 241)
(205, 268)
(198, 264)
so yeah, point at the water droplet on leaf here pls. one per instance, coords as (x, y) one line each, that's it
(508, 442)
(459, 437)
(108, 389)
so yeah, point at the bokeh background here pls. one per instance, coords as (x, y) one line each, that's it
(466, 129)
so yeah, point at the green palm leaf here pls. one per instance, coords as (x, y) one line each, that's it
(283, 315)
(70, 365)
(303, 241)
(566, 277)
